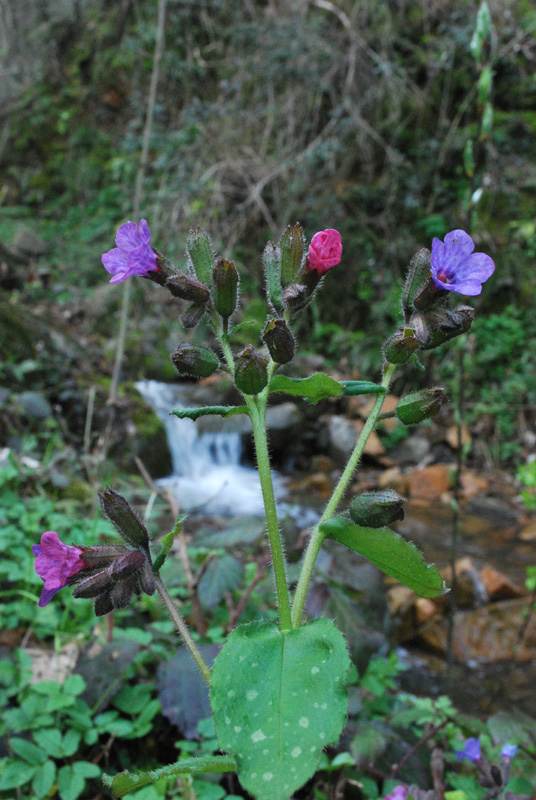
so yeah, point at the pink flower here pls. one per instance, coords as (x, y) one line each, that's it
(56, 563)
(398, 793)
(325, 251)
(133, 254)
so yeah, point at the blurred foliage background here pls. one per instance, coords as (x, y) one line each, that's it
(353, 115)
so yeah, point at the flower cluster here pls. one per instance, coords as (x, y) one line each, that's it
(57, 564)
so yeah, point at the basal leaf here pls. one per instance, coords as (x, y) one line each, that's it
(126, 781)
(223, 574)
(278, 699)
(220, 411)
(316, 387)
(390, 552)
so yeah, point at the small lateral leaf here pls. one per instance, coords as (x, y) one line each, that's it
(126, 781)
(167, 543)
(220, 411)
(352, 388)
(316, 387)
(390, 552)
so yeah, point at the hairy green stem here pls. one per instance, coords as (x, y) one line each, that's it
(183, 629)
(317, 537)
(257, 412)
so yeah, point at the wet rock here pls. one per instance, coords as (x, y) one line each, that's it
(34, 405)
(451, 436)
(498, 586)
(472, 485)
(431, 482)
(29, 243)
(493, 633)
(412, 450)
(320, 463)
(470, 588)
(394, 479)
(343, 435)
(528, 533)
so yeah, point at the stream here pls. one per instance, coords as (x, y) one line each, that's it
(210, 477)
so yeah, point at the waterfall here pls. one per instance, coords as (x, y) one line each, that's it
(207, 471)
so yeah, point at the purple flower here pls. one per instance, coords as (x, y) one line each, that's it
(133, 254)
(456, 268)
(55, 563)
(471, 750)
(398, 793)
(509, 750)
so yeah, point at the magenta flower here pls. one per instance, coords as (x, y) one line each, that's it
(509, 750)
(471, 750)
(398, 793)
(456, 268)
(133, 254)
(56, 563)
(325, 251)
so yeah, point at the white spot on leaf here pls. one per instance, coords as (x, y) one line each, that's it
(252, 694)
(267, 776)
(314, 670)
(296, 752)
(304, 722)
(258, 736)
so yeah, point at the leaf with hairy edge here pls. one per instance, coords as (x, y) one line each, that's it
(316, 387)
(352, 388)
(278, 699)
(126, 781)
(220, 411)
(390, 552)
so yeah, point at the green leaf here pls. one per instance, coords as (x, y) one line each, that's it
(16, 773)
(167, 543)
(316, 387)
(70, 783)
(222, 575)
(352, 388)
(220, 411)
(127, 781)
(28, 751)
(390, 552)
(44, 779)
(87, 769)
(50, 740)
(278, 699)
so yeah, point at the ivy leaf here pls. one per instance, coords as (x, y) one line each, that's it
(317, 387)
(128, 781)
(220, 411)
(278, 699)
(388, 551)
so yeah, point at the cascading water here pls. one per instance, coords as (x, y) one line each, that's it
(207, 473)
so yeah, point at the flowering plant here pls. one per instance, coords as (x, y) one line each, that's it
(277, 690)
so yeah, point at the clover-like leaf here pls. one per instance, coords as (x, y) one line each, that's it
(390, 552)
(278, 698)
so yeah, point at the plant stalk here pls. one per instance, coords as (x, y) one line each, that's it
(317, 537)
(183, 629)
(257, 410)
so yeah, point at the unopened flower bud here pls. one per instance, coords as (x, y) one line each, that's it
(279, 340)
(192, 315)
(194, 361)
(375, 509)
(292, 246)
(188, 289)
(295, 297)
(124, 519)
(224, 287)
(445, 324)
(271, 261)
(400, 346)
(417, 406)
(429, 295)
(251, 371)
(421, 329)
(418, 273)
(200, 252)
